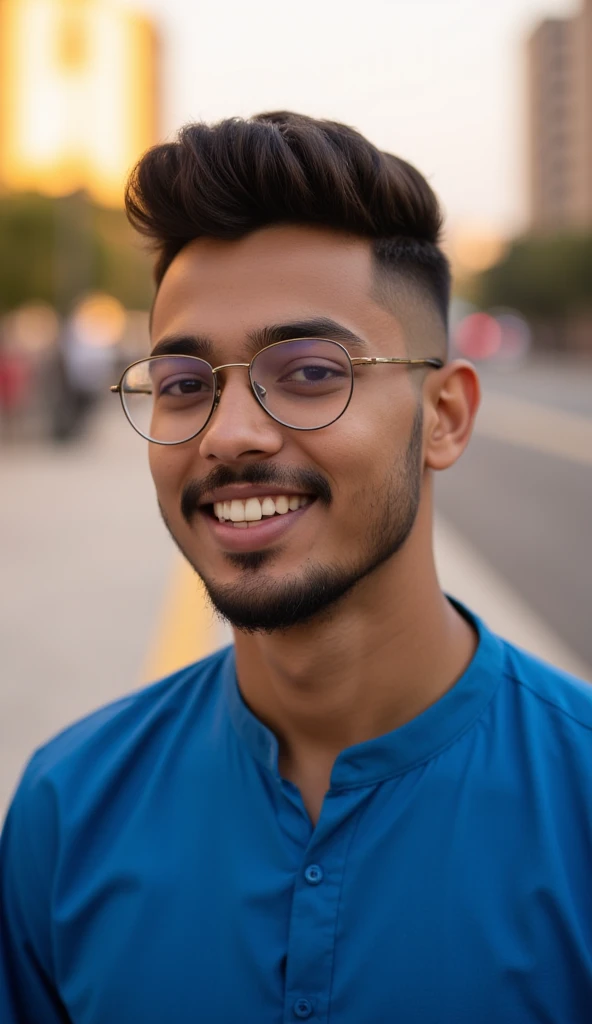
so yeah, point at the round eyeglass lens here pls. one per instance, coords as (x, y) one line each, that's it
(168, 398)
(305, 383)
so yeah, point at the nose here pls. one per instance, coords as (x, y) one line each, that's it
(239, 428)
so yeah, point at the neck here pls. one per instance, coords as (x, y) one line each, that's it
(389, 649)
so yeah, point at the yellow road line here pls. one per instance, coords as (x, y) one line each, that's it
(187, 628)
(546, 429)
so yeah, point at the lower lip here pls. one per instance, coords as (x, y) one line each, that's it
(257, 536)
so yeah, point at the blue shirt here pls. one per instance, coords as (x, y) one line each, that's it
(156, 867)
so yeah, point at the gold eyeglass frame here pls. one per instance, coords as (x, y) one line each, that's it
(353, 361)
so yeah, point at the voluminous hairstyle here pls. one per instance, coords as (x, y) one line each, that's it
(229, 179)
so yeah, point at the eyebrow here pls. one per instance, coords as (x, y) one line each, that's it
(184, 345)
(315, 327)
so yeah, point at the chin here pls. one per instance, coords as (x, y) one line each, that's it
(258, 602)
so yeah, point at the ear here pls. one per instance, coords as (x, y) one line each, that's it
(451, 398)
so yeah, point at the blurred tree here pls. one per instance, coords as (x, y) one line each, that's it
(543, 277)
(54, 250)
(26, 250)
(123, 265)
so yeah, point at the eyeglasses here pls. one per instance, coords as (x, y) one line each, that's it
(304, 383)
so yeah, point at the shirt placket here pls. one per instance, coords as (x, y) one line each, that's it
(315, 908)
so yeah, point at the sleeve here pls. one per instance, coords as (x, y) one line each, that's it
(27, 855)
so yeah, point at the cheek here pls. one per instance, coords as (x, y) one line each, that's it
(357, 453)
(384, 420)
(352, 457)
(169, 468)
(364, 435)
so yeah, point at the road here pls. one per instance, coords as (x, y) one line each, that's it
(95, 600)
(524, 500)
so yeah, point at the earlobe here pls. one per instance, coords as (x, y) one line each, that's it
(454, 394)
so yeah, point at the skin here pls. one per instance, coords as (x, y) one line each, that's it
(393, 645)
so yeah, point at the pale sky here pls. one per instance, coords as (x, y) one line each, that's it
(438, 82)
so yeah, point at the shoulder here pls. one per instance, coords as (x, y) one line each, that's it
(550, 692)
(82, 755)
(96, 770)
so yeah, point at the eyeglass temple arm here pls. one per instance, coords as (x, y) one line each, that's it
(372, 360)
(131, 391)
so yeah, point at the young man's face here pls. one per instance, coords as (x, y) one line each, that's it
(361, 475)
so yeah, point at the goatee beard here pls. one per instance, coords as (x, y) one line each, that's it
(258, 603)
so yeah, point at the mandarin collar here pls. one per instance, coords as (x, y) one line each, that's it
(401, 749)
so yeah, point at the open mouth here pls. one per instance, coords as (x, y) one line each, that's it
(252, 511)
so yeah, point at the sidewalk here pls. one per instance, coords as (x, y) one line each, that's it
(85, 560)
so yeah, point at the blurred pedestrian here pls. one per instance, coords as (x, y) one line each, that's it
(83, 363)
(15, 383)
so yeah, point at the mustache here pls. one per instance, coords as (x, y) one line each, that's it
(308, 481)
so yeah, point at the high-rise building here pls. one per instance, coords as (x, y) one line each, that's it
(582, 116)
(78, 96)
(559, 56)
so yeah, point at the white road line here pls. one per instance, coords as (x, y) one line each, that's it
(465, 574)
(548, 430)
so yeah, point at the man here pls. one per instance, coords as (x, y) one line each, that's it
(369, 810)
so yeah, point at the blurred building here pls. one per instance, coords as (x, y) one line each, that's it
(78, 96)
(559, 57)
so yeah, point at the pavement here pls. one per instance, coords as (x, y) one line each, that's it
(96, 601)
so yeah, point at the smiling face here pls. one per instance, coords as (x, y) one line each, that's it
(327, 506)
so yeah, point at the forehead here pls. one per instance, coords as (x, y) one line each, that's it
(226, 288)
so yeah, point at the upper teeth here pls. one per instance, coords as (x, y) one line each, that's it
(255, 508)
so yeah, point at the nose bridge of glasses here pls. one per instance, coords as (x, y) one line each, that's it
(257, 388)
(216, 369)
(226, 366)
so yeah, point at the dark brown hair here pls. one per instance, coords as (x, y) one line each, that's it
(228, 179)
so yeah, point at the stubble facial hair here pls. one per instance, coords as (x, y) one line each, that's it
(258, 603)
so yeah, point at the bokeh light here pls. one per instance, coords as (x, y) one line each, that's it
(99, 321)
(478, 336)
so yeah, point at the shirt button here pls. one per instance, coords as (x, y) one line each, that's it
(302, 1008)
(314, 874)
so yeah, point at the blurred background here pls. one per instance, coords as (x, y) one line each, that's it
(493, 103)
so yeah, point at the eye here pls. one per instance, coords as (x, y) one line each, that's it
(311, 373)
(178, 387)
